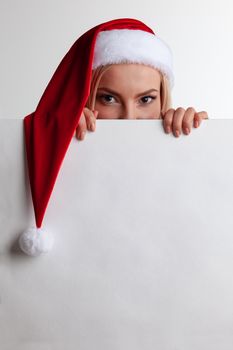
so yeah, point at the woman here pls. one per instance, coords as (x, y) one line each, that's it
(129, 90)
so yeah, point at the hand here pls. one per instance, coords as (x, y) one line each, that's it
(86, 122)
(181, 119)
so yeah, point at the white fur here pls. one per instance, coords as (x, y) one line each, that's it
(35, 241)
(133, 46)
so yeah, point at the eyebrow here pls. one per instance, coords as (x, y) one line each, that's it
(117, 94)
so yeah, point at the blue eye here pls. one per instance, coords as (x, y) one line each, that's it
(147, 99)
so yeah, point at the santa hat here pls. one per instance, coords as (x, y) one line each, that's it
(49, 130)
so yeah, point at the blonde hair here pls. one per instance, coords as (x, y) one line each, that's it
(165, 91)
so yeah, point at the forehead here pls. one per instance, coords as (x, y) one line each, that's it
(137, 75)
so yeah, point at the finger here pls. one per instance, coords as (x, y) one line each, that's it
(81, 128)
(167, 120)
(203, 114)
(198, 118)
(96, 113)
(177, 121)
(90, 118)
(94, 121)
(188, 119)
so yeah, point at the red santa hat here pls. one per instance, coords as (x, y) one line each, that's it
(49, 130)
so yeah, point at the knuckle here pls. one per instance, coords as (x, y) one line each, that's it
(188, 118)
(86, 110)
(205, 115)
(168, 116)
(170, 110)
(198, 116)
(88, 113)
(179, 109)
(190, 109)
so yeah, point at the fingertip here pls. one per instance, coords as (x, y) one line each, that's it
(91, 126)
(82, 135)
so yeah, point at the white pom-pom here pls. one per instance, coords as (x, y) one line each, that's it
(35, 241)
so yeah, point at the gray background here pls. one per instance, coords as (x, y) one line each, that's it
(35, 36)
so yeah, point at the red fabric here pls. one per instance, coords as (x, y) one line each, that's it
(49, 130)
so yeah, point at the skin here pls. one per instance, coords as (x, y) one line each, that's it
(132, 91)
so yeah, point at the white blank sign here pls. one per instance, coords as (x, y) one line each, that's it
(143, 255)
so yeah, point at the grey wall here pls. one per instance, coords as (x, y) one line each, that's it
(35, 35)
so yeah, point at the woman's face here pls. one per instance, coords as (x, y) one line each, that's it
(129, 91)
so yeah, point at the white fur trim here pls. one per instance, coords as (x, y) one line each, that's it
(133, 46)
(35, 241)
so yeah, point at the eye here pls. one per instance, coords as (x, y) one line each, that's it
(147, 99)
(107, 99)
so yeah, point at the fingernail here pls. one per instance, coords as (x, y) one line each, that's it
(186, 130)
(168, 129)
(82, 135)
(177, 133)
(196, 123)
(92, 126)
